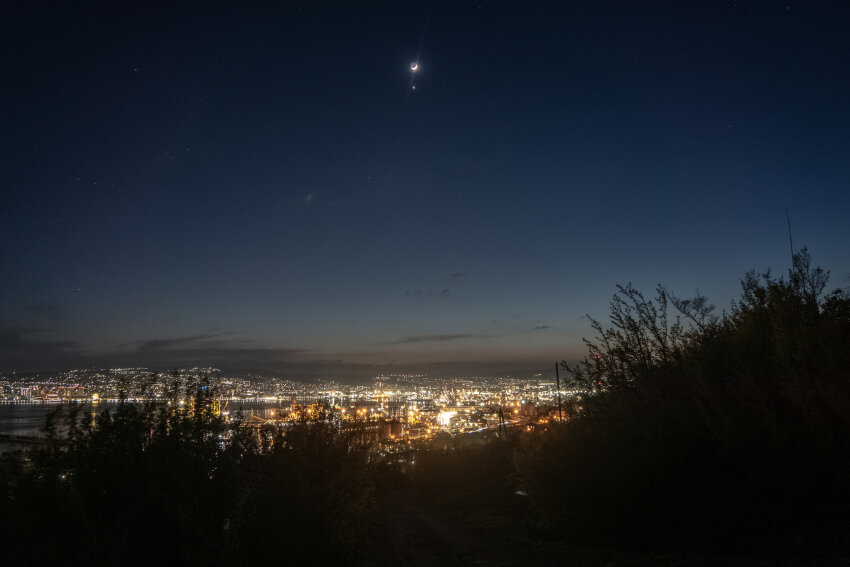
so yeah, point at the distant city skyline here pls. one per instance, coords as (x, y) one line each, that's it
(259, 188)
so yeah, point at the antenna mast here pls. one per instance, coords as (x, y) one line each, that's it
(790, 241)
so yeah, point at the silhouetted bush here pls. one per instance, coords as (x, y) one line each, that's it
(464, 472)
(719, 434)
(159, 483)
(307, 499)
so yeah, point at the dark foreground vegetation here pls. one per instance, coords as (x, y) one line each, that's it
(726, 434)
(700, 436)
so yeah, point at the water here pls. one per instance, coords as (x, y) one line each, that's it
(29, 419)
(24, 419)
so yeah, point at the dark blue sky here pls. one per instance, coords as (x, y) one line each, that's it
(258, 188)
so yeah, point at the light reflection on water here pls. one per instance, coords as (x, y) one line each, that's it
(29, 419)
(259, 409)
(24, 419)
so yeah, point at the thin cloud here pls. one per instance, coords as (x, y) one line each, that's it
(170, 344)
(23, 348)
(28, 349)
(213, 347)
(434, 338)
(222, 356)
(446, 292)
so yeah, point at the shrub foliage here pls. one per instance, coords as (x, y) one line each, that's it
(712, 433)
(158, 483)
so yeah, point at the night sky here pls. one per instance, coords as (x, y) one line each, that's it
(260, 189)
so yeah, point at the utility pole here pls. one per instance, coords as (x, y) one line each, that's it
(558, 385)
(503, 428)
